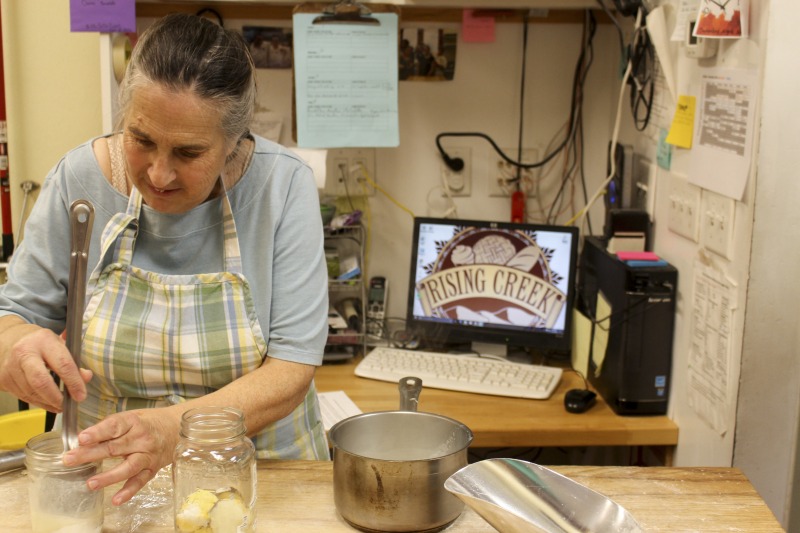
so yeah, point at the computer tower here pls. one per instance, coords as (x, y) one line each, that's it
(633, 375)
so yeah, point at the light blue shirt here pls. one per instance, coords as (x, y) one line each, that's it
(276, 209)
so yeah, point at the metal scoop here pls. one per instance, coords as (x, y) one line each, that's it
(516, 496)
(81, 216)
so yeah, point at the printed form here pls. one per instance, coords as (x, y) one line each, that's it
(346, 79)
(710, 352)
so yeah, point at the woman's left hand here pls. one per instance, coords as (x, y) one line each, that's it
(143, 439)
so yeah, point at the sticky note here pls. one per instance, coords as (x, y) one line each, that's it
(476, 29)
(664, 150)
(637, 256)
(102, 15)
(682, 129)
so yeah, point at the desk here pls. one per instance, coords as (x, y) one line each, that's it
(510, 422)
(297, 496)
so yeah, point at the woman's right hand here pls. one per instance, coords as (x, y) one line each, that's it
(27, 355)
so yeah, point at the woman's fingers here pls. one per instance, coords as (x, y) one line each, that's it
(133, 471)
(25, 372)
(138, 437)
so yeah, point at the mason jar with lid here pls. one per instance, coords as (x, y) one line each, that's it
(60, 499)
(214, 473)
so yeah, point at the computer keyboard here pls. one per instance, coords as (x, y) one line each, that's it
(466, 373)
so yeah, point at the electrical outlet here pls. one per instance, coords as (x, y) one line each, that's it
(347, 170)
(717, 227)
(684, 207)
(458, 183)
(502, 171)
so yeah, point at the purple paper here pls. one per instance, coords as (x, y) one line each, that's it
(102, 15)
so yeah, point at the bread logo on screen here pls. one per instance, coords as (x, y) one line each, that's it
(493, 275)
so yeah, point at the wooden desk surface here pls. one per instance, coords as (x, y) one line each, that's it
(499, 422)
(297, 496)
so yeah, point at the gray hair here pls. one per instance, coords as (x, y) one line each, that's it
(187, 52)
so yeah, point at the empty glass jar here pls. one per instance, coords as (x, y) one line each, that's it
(214, 473)
(60, 500)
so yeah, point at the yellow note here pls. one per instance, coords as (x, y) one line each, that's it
(602, 315)
(581, 341)
(682, 128)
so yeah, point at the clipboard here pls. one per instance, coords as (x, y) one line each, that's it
(343, 12)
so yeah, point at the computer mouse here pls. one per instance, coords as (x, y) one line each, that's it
(579, 400)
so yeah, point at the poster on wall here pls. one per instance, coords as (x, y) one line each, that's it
(427, 54)
(722, 19)
(270, 47)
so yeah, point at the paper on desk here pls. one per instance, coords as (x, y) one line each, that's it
(346, 81)
(336, 406)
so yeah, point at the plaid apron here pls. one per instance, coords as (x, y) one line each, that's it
(154, 340)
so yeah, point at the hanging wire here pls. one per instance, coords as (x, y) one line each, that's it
(641, 81)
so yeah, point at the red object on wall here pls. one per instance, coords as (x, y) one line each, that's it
(5, 179)
(518, 207)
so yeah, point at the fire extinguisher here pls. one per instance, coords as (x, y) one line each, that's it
(5, 179)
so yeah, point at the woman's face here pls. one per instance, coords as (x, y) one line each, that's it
(174, 147)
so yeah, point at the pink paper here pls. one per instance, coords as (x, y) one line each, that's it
(637, 256)
(477, 29)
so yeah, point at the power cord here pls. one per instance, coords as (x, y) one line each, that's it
(641, 81)
(582, 214)
(569, 145)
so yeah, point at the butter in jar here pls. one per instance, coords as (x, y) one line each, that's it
(60, 499)
(214, 473)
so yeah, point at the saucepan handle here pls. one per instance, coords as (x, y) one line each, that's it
(12, 460)
(410, 387)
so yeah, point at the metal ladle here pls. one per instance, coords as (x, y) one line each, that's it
(81, 216)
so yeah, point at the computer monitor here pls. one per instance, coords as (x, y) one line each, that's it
(492, 284)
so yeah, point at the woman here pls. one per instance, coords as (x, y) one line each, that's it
(210, 279)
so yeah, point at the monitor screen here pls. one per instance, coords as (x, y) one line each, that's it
(492, 282)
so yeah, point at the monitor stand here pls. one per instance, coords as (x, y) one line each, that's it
(486, 348)
(515, 354)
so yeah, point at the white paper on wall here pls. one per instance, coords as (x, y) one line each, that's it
(713, 304)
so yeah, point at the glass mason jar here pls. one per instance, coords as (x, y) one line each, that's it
(60, 500)
(214, 473)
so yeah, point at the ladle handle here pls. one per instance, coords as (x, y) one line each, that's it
(81, 216)
(410, 387)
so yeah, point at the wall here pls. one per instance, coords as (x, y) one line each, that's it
(767, 423)
(761, 420)
(52, 95)
(700, 444)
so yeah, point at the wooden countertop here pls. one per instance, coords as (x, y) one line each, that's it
(499, 422)
(297, 496)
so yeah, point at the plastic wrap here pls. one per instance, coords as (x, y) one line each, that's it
(150, 507)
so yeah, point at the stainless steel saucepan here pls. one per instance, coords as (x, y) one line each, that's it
(389, 467)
